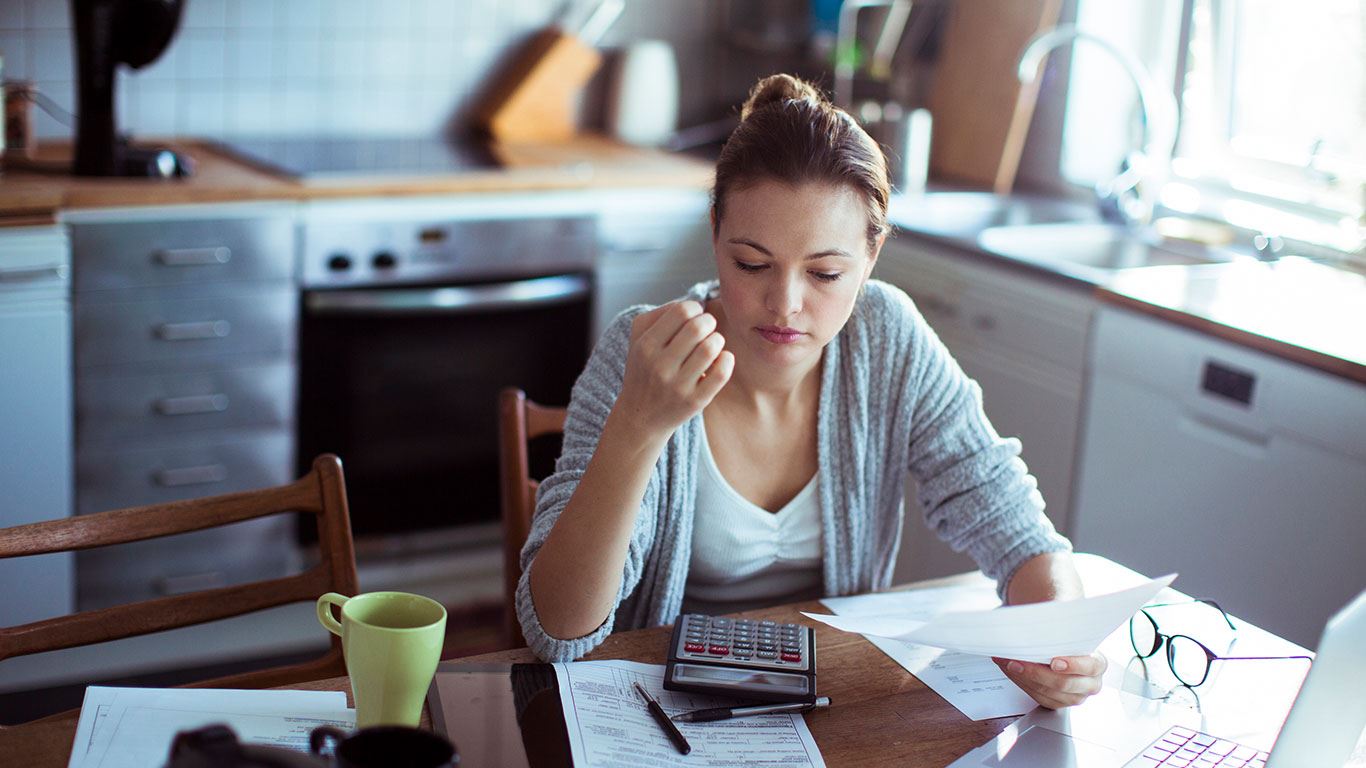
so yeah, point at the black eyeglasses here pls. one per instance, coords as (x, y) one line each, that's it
(1188, 658)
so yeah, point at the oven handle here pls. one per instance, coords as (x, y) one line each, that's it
(451, 299)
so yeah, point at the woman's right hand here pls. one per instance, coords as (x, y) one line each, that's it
(676, 364)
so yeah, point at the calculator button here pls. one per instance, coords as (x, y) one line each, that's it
(792, 657)
(767, 654)
(718, 650)
(694, 647)
(768, 623)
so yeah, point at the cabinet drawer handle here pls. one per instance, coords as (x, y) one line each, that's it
(34, 274)
(984, 322)
(192, 257)
(209, 473)
(207, 329)
(937, 306)
(182, 406)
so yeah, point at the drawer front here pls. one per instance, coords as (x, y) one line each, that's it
(143, 570)
(141, 254)
(191, 466)
(171, 329)
(114, 410)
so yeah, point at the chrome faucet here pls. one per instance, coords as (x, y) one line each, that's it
(1130, 196)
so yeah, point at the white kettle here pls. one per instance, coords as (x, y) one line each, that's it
(642, 101)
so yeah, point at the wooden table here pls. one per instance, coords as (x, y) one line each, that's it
(882, 714)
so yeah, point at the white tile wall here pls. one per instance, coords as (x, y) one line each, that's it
(281, 67)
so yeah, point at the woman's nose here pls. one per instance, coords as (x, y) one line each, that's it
(785, 296)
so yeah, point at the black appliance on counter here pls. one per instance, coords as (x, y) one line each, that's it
(411, 323)
(108, 33)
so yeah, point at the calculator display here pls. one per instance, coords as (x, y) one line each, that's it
(693, 673)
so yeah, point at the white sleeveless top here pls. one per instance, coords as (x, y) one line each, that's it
(744, 556)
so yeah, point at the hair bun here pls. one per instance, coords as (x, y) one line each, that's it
(776, 89)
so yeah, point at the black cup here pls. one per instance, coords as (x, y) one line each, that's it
(385, 746)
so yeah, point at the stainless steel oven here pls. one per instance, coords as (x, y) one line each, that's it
(409, 328)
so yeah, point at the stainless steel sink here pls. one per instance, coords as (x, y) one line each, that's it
(965, 214)
(1091, 245)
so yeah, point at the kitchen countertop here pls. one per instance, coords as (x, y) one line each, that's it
(40, 189)
(1300, 310)
(1294, 308)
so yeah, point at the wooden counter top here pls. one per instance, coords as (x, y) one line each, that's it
(43, 187)
(1293, 308)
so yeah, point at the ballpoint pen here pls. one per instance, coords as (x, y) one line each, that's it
(726, 713)
(661, 717)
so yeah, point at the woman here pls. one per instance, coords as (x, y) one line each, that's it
(747, 444)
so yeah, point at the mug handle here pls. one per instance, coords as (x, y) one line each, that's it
(325, 617)
(317, 740)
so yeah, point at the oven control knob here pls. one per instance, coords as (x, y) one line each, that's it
(384, 260)
(339, 262)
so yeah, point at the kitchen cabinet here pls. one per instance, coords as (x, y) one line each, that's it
(1244, 472)
(35, 415)
(1023, 338)
(185, 326)
(654, 245)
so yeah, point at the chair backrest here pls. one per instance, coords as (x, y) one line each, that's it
(321, 492)
(519, 421)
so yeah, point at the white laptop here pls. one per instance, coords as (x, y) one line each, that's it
(1115, 728)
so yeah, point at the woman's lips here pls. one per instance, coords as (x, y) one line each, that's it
(779, 335)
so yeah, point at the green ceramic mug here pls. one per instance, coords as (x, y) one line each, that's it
(392, 643)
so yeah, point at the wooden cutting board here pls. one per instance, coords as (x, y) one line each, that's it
(981, 111)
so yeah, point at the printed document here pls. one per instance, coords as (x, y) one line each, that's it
(610, 727)
(135, 726)
(1035, 632)
(973, 684)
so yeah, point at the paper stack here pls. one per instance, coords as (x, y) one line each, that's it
(134, 727)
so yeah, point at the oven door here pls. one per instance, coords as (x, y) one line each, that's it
(402, 384)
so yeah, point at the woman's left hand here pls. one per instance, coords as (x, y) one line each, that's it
(1068, 681)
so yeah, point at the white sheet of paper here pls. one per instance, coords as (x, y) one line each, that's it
(120, 726)
(610, 727)
(972, 684)
(1035, 632)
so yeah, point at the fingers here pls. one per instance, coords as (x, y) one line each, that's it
(702, 355)
(1053, 688)
(659, 325)
(1092, 666)
(717, 376)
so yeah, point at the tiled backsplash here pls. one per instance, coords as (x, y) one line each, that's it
(378, 67)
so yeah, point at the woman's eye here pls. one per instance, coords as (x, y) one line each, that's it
(745, 266)
(826, 277)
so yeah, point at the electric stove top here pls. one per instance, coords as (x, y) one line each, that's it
(340, 158)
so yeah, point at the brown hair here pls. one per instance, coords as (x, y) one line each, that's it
(791, 133)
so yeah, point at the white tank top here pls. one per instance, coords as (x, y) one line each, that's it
(744, 556)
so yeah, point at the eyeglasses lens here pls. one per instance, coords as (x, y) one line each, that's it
(1188, 660)
(1143, 634)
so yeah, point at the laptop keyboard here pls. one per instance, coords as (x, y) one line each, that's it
(1184, 748)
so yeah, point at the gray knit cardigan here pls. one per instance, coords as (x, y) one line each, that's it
(891, 399)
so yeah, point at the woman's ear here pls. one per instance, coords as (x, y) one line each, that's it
(873, 254)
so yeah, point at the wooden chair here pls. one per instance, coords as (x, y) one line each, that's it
(322, 492)
(519, 421)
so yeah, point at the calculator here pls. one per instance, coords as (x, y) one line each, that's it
(742, 658)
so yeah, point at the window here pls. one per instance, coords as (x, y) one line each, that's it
(1273, 109)
(1274, 106)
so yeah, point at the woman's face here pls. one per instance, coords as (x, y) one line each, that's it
(791, 260)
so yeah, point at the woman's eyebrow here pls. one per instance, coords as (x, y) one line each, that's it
(819, 254)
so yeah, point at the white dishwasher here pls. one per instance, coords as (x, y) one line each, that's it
(1243, 472)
